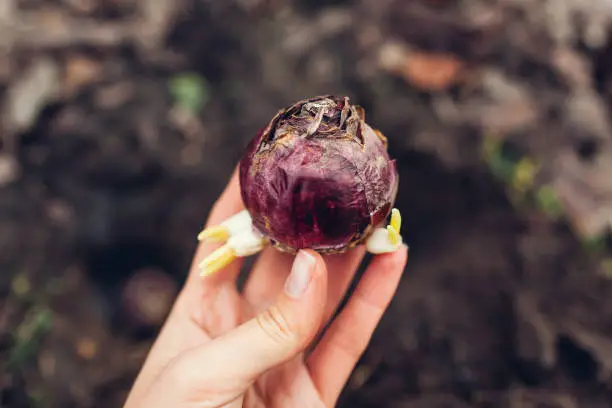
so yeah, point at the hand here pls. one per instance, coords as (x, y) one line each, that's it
(223, 348)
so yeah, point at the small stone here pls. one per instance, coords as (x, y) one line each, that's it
(9, 169)
(87, 348)
(59, 212)
(573, 66)
(148, 296)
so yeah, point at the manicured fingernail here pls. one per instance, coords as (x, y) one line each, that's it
(301, 274)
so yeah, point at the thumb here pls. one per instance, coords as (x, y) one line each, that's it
(274, 336)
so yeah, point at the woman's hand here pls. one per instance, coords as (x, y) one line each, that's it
(223, 348)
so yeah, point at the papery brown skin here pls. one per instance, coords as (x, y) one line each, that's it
(322, 185)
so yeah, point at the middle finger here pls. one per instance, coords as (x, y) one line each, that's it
(272, 267)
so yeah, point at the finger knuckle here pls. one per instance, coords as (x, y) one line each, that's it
(277, 326)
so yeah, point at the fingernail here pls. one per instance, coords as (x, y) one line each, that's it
(301, 274)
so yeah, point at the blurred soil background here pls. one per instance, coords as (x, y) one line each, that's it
(121, 121)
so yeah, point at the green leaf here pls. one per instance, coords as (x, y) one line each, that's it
(29, 335)
(548, 201)
(594, 244)
(190, 91)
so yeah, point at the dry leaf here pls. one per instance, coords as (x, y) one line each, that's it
(431, 72)
(80, 71)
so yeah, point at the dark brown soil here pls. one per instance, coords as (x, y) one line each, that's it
(503, 303)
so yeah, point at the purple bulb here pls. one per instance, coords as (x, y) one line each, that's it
(319, 177)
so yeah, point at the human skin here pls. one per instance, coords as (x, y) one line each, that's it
(221, 347)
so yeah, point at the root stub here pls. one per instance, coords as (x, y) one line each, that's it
(241, 239)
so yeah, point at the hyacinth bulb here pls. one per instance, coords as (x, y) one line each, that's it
(316, 177)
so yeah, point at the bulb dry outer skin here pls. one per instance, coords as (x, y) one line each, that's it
(318, 177)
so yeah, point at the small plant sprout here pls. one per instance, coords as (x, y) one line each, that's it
(316, 177)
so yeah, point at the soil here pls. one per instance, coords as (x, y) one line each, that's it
(504, 303)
